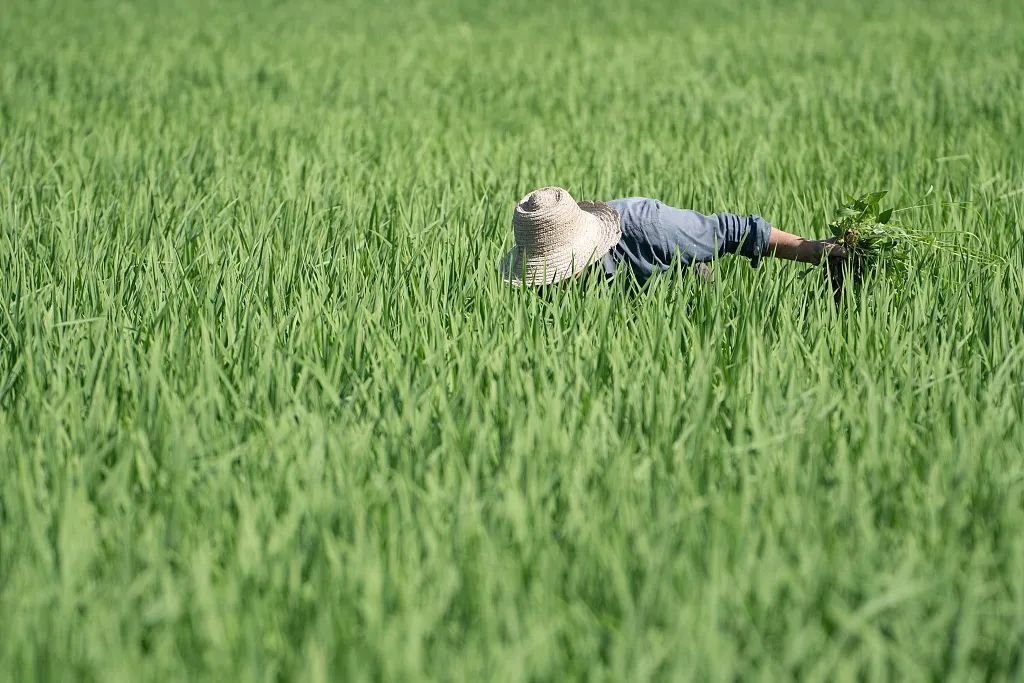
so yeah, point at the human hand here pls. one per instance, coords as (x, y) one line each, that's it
(831, 249)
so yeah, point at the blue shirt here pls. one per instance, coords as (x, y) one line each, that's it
(656, 236)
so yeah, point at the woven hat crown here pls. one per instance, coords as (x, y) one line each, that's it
(545, 218)
(557, 237)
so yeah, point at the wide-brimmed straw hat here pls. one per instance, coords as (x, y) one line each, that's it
(557, 237)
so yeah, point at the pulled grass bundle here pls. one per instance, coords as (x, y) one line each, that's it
(876, 242)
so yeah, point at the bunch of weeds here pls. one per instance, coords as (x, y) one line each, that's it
(875, 241)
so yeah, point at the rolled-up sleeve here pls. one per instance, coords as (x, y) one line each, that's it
(696, 237)
(743, 235)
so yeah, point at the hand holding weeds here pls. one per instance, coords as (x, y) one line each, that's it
(869, 239)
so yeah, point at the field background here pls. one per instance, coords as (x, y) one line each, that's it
(267, 413)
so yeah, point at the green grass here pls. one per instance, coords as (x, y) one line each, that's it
(267, 413)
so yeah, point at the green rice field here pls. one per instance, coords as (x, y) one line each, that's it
(267, 412)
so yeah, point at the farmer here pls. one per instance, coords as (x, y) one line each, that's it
(557, 238)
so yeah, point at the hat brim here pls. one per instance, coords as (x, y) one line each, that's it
(601, 231)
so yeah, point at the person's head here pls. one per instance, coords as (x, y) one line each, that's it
(557, 238)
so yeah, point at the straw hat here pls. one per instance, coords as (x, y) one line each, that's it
(557, 237)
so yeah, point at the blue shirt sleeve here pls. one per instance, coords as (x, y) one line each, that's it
(701, 238)
(656, 236)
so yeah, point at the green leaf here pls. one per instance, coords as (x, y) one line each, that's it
(885, 216)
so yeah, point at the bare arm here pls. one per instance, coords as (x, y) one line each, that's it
(784, 245)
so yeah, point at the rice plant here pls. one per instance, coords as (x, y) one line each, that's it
(267, 411)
